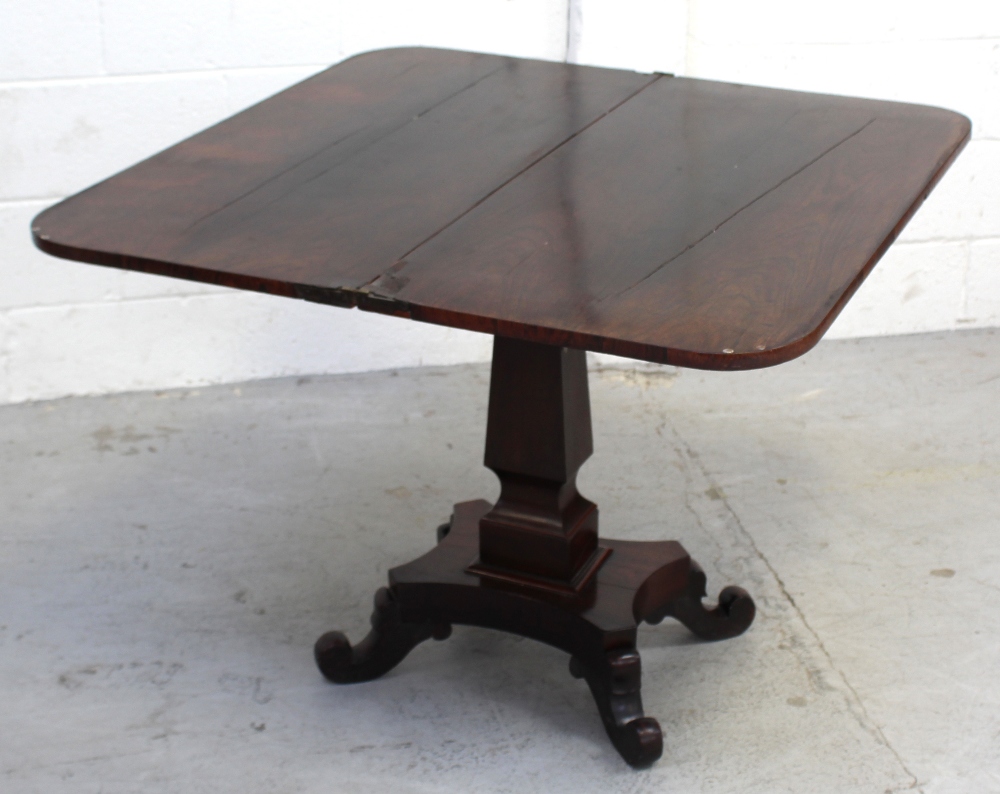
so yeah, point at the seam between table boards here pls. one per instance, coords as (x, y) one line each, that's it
(337, 142)
(401, 262)
(746, 206)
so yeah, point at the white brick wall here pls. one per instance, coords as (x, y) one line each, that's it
(88, 87)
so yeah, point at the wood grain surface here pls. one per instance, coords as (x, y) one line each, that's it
(683, 221)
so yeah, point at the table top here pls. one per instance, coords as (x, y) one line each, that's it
(683, 221)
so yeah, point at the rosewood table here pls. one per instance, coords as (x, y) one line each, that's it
(562, 209)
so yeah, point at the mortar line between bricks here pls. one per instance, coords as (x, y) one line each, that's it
(105, 79)
(13, 202)
(218, 292)
(102, 29)
(855, 703)
(972, 238)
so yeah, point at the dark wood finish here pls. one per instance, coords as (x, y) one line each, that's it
(538, 435)
(597, 626)
(531, 563)
(682, 221)
(555, 206)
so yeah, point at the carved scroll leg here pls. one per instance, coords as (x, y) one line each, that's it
(615, 684)
(730, 618)
(386, 645)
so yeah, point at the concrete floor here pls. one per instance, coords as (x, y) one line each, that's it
(167, 560)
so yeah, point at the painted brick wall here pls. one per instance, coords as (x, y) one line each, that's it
(88, 87)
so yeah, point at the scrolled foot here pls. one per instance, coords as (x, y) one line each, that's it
(615, 684)
(386, 645)
(730, 618)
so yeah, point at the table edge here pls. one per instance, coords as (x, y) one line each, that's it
(370, 300)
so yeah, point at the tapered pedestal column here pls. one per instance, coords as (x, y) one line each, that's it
(541, 530)
(533, 564)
